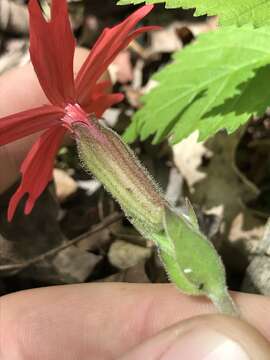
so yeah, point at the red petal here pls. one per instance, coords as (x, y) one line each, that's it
(100, 100)
(98, 89)
(37, 169)
(101, 103)
(138, 32)
(107, 47)
(17, 126)
(52, 47)
(101, 88)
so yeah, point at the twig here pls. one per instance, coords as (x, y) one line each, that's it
(109, 220)
(133, 239)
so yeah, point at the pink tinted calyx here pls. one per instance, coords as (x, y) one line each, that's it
(74, 114)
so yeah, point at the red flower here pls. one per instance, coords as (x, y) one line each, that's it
(52, 47)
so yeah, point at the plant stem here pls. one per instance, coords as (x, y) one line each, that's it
(225, 304)
(189, 258)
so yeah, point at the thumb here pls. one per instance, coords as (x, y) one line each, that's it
(208, 337)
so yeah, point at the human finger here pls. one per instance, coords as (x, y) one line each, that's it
(207, 337)
(103, 320)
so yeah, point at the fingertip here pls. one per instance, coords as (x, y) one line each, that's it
(208, 337)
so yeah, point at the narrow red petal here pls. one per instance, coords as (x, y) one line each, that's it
(37, 169)
(101, 103)
(52, 47)
(137, 33)
(17, 126)
(99, 99)
(101, 87)
(107, 47)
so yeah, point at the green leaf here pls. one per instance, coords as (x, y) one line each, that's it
(193, 264)
(216, 83)
(230, 12)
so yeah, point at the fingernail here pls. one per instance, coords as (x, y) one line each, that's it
(204, 344)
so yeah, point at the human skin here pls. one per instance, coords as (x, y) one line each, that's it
(107, 321)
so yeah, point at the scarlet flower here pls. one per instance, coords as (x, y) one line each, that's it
(52, 47)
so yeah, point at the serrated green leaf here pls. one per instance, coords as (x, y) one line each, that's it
(194, 265)
(216, 83)
(230, 12)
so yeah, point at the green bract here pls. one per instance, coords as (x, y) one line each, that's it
(193, 264)
(230, 12)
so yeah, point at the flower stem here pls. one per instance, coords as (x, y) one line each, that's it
(189, 258)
